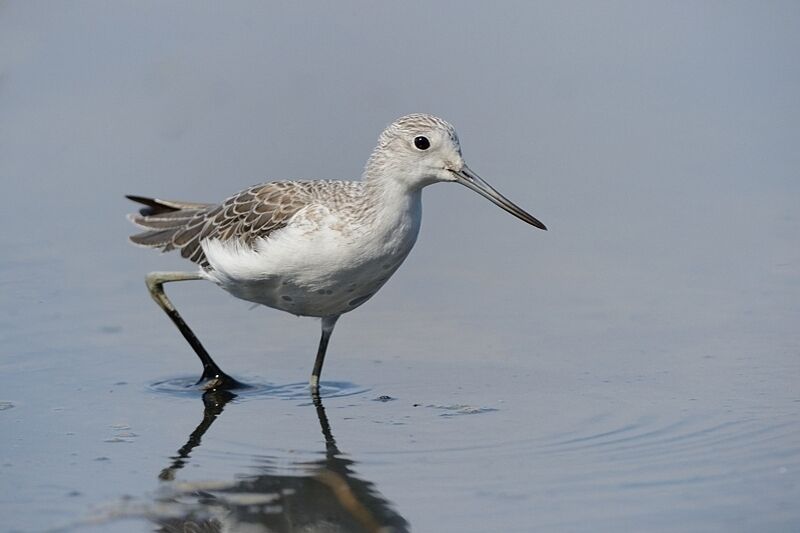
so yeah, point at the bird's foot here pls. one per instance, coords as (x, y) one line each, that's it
(216, 379)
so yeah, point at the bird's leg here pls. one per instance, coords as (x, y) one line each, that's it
(327, 328)
(213, 377)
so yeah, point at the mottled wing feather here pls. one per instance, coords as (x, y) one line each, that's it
(245, 217)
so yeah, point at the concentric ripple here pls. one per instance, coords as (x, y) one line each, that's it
(255, 388)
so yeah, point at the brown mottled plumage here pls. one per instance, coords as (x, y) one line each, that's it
(244, 217)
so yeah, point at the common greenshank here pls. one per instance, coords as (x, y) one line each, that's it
(311, 248)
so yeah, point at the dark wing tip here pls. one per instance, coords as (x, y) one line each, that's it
(144, 200)
(152, 206)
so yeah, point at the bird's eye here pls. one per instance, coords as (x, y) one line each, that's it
(422, 143)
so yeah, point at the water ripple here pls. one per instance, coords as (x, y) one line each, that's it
(658, 452)
(253, 389)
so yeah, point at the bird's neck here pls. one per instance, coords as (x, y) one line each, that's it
(394, 207)
(391, 192)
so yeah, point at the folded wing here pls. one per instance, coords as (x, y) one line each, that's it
(246, 216)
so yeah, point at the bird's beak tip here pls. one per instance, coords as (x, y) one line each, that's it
(466, 177)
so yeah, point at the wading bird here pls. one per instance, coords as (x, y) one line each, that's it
(311, 248)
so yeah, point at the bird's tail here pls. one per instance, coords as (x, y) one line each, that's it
(163, 220)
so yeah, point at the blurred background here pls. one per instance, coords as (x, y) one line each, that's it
(634, 367)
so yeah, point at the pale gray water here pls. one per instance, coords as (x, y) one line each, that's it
(637, 367)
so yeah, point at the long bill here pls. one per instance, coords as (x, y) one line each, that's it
(466, 177)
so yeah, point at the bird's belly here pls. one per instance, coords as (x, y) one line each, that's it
(319, 279)
(339, 293)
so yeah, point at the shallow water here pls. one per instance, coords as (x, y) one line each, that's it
(634, 368)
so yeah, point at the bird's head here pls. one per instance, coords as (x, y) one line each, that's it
(418, 150)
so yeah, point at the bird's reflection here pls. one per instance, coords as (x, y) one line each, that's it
(325, 495)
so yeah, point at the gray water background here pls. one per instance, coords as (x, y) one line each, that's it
(634, 368)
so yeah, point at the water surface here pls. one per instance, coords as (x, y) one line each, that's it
(634, 368)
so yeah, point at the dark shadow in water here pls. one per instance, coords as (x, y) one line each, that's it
(214, 402)
(324, 495)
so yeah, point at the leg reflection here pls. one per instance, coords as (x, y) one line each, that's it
(214, 402)
(314, 495)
